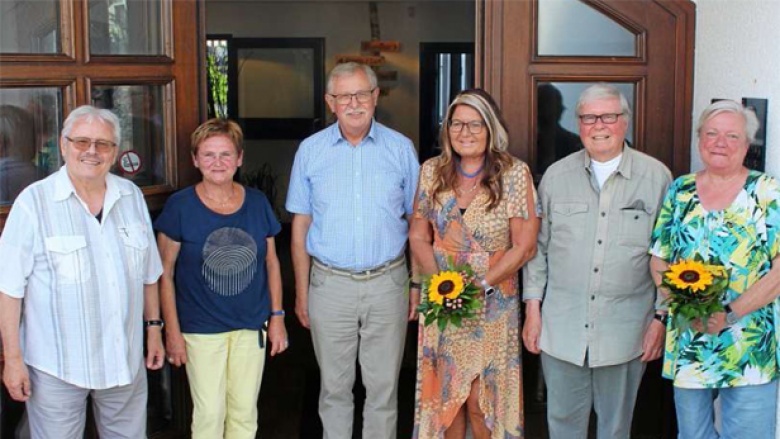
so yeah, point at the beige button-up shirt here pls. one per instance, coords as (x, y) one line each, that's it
(592, 266)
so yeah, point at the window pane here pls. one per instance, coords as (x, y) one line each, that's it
(557, 129)
(125, 27)
(30, 120)
(572, 28)
(142, 156)
(276, 83)
(29, 26)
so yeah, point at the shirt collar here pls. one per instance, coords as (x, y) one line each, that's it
(337, 137)
(64, 188)
(624, 168)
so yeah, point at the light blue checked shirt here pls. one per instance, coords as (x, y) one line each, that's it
(358, 196)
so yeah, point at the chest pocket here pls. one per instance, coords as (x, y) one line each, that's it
(636, 225)
(70, 259)
(135, 244)
(569, 218)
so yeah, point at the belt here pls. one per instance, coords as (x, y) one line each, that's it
(361, 274)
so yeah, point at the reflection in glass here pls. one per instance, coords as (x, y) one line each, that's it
(572, 28)
(557, 133)
(30, 121)
(140, 109)
(29, 26)
(276, 83)
(125, 27)
(217, 64)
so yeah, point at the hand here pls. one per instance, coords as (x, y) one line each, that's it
(414, 300)
(714, 323)
(155, 352)
(177, 348)
(277, 335)
(17, 379)
(653, 342)
(532, 329)
(302, 308)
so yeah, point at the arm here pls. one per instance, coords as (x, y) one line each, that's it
(760, 294)
(414, 292)
(301, 266)
(169, 253)
(15, 373)
(653, 341)
(535, 278)
(277, 333)
(155, 353)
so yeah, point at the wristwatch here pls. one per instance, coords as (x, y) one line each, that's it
(148, 323)
(489, 289)
(731, 316)
(663, 318)
(279, 312)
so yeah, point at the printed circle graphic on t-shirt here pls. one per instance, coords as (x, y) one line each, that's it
(229, 261)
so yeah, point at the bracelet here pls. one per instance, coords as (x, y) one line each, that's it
(663, 318)
(148, 323)
(415, 285)
(276, 313)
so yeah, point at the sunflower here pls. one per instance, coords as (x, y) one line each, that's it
(689, 274)
(447, 284)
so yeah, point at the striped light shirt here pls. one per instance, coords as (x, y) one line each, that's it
(82, 281)
(358, 196)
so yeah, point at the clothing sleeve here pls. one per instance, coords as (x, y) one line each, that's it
(424, 202)
(661, 238)
(270, 218)
(517, 188)
(169, 220)
(535, 271)
(154, 268)
(412, 174)
(299, 191)
(770, 194)
(17, 245)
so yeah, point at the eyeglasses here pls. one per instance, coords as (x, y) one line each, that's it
(363, 97)
(83, 143)
(474, 126)
(607, 118)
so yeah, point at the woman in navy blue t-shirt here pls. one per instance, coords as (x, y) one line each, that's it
(216, 292)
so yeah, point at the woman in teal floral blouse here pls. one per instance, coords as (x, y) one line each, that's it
(730, 215)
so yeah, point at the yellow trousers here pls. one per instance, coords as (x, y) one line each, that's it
(224, 371)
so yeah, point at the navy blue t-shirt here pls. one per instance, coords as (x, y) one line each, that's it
(221, 278)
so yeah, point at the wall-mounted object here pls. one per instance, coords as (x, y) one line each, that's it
(756, 156)
(381, 46)
(369, 60)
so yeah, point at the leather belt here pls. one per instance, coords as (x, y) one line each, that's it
(361, 274)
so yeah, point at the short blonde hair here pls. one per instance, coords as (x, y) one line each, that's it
(217, 127)
(729, 106)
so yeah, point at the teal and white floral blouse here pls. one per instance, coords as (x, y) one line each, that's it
(744, 238)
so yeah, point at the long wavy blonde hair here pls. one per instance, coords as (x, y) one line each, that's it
(497, 160)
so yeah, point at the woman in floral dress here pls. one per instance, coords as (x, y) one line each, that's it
(475, 204)
(729, 215)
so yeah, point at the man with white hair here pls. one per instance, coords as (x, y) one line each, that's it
(588, 292)
(78, 248)
(352, 186)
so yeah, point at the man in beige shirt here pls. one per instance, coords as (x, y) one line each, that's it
(596, 328)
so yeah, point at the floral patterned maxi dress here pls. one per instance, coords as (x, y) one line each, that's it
(488, 346)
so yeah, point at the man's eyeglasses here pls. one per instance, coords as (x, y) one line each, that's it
(363, 97)
(83, 143)
(474, 126)
(607, 118)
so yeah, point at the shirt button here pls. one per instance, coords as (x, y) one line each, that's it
(598, 242)
(586, 326)
(596, 270)
(603, 213)
(593, 297)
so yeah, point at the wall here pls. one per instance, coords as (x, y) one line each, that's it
(344, 24)
(736, 57)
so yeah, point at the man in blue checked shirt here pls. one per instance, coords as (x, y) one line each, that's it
(351, 190)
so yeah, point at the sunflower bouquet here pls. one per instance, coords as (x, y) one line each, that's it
(696, 290)
(449, 296)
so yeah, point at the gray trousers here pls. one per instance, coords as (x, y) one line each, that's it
(572, 390)
(57, 409)
(364, 320)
